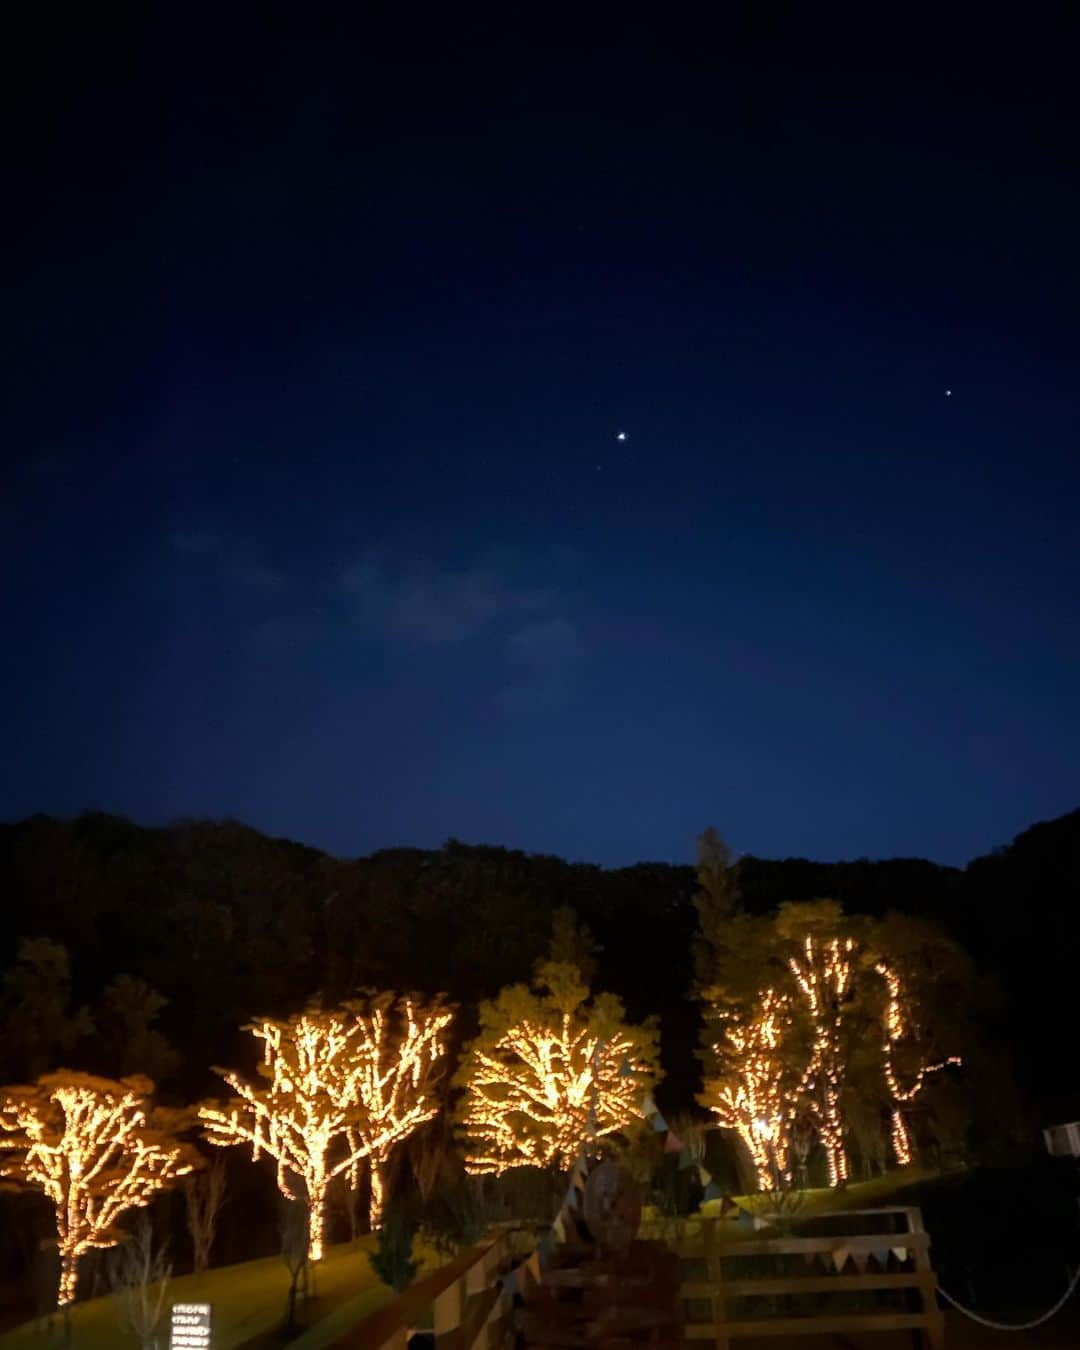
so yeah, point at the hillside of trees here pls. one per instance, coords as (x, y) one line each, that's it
(213, 922)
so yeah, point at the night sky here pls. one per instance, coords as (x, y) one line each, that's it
(321, 333)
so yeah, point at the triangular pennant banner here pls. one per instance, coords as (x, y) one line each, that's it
(571, 1196)
(648, 1106)
(672, 1144)
(860, 1259)
(703, 1175)
(727, 1205)
(745, 1219)
(881, 1256)
(659, 1124)
(899, 1252)
(713, 1191)
(760, 1223)
(686, 1159)
(626, 1069)
(841, 1255)
(559, 1228)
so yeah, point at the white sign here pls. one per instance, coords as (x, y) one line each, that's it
(189, 1328)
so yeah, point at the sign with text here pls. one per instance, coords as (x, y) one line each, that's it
(189, 1328)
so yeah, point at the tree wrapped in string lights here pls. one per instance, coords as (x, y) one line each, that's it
(896, 1032)
(549, 1069)
(403, 1045)
(823, 972)
(755, 1091)
(344, 1085)
(96, 1149)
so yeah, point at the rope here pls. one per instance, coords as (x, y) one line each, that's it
(1015, 1326)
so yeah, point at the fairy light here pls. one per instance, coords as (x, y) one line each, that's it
(87, 1143)
(824, 978)
(341, 1090)
(894, 1031)
(536, 1092)
(754, 1101)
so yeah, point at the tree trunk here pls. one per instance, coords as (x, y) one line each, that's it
(69, 1278)
(378, 1193)
(317, 1222)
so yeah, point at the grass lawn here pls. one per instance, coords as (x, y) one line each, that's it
(859, 1195)
(248, 1302)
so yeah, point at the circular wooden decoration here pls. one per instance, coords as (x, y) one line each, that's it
(612, 1206)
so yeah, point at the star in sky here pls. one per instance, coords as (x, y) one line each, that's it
(620, 436)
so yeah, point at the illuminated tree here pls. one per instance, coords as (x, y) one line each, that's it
(96, 1149)
(895, 1031)
(547, 1071)
(342, 1090)
(755, 1093)
(823, 972)
(402, 1048)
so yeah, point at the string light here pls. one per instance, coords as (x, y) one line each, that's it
(341, 1090)
(89, 1145)
(894, 1031)
(533, 1096)
(824, 977)
(754, 1101)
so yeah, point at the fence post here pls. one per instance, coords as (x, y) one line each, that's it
(935, 1321)
(716, 1276)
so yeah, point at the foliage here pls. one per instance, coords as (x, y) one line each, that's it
(96, 1149)
(392, 1260)
(549, 1069)
(832, 1025)
(127, 1037)
(38, 1025)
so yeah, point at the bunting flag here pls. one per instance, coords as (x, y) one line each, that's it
(686, 1159)
(672, 1144)
(745, 1219)
(704, 1177)
(861, 1259)
(559, 1228)
(659, 1124)
(841, 1256)
(899, 1252)
(648, 1106)
(759, 1223)
(626, 1069)
(571, 1196)
(532, 1265)
(713, 1191)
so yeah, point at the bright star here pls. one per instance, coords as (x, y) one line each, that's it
(948, 393)
(620, 435)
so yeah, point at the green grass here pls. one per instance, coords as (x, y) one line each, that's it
(248, 1303)
(859, 1195)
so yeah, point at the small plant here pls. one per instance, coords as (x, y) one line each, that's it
(139, 1274)
(392, 1259)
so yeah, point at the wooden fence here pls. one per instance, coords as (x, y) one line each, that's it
(471, 1309)
(909, 1277)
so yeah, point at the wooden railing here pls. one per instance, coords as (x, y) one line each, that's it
(471, 1309)
(721, 1288)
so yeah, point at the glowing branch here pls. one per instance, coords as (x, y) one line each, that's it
(753, 1096)
(823, 975)
(895, 1030)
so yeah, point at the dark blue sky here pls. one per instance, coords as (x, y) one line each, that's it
(320, 334)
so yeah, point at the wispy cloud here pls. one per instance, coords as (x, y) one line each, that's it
(438, 606)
